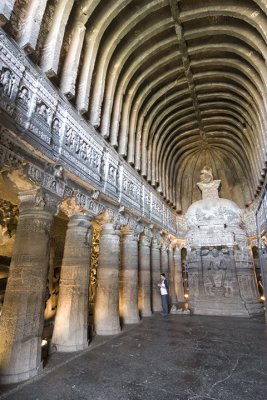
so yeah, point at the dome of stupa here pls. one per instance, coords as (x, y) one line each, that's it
(213, 211)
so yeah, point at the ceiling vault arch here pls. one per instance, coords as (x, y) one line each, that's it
(171, 84)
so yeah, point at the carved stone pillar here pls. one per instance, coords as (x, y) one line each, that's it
(71, 323)
(128, 277)
(106, 313)
(178, 280)
(23, 310)
(172, 293)
(145, 275)
(155, 264)
(164, 259)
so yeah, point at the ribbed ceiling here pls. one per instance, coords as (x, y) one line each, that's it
(173, 85)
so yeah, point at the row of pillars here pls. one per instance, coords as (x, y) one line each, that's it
(129, 268)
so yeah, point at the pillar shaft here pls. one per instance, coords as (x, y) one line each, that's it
(106, 311)
(178, 277)
(71, 323)
(172, 293)
(128, 277)
(145, 276)
(164, 260)
(155, 263)
(23, 310)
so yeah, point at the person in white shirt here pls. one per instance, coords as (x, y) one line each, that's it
(164, 294)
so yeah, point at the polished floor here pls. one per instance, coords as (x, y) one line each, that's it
(177, 357)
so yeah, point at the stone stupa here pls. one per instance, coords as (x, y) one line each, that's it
(221, 276)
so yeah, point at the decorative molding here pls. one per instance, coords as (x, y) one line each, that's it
(37, 114)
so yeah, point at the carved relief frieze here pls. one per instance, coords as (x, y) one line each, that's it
(46, 121)
(103, 165)
(146, 202)
(89, 204)
(24, 101)
(248, 218)
(8, 158)
(247, 286)
(156, 210)
(131, 193)
(193, 280)
(113, 177)
(81, 151)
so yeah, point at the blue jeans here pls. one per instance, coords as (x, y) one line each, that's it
(165, 303)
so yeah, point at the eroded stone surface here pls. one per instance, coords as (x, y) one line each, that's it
(220, 266)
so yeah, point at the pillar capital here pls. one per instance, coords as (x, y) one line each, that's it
(71, 207)
(38, 199)
(145, 240)
(113, 217)
(146, 237)
(156, 242)
(133, 228)
(17, 178)
(177, 243)
(165, 245)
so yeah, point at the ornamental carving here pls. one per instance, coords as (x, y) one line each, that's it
(9, 214)
(93, 270)
(23, 96)
(7, 80)
(51, 126)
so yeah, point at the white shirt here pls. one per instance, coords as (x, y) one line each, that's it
(163, 289)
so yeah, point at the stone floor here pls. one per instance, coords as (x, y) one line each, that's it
(175, 357)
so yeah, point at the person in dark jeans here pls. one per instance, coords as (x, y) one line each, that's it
(164, 294)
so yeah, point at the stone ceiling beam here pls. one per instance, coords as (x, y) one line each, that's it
(30, 30)
(98, 26)
(244, 33)
(132, 80)
(160, 104)
(186, 61)
(53, 42)
(140, 109)
(106, 52)
(142, 105)
(6, 8)
(119, 61)
(248, 13)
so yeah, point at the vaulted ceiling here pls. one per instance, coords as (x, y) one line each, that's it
(173, 85)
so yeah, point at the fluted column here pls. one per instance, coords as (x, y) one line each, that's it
(71, 323)
(178, 277)
(145, 275)
(106, 312)
(155, 268)
(22, 316)
(172, 293)
(128, 277)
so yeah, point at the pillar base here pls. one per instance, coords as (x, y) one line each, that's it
(127, 321)
(20, 377)
(146, 314)
(108, 332)
(61, 348)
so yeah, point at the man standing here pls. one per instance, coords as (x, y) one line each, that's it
(164, 294)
